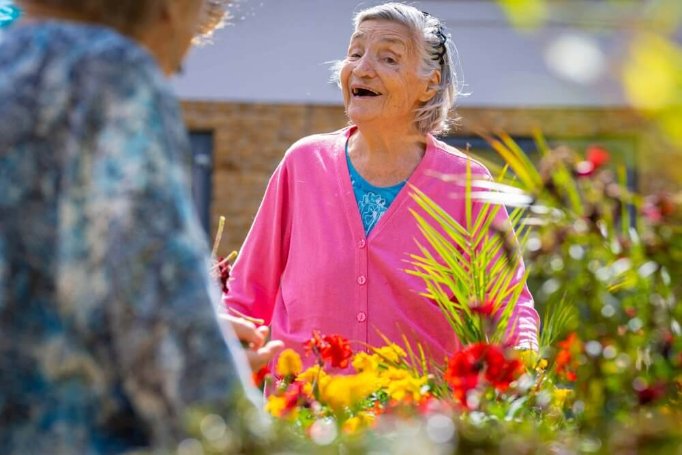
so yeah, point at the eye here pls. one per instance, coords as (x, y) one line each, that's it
(390, 60)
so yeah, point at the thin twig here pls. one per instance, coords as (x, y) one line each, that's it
(218, 236)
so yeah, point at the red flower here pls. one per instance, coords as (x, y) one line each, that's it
(334, 349)
(337, 351)
(314, 344)
(259, 376)
(501, 373)
(224, 268)
(295, 396)
(649, 394)
(565, 362)
(595, 157)
(658, 207)
(485, 310)
(430, 405)
(478, 362)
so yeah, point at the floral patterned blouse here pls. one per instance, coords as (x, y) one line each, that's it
(108, 332)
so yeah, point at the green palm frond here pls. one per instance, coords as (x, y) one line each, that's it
(470, 263)
(557, 316)
(518, 161)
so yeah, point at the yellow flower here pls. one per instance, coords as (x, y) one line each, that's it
(401, 384)
(392, 353)
(531, 359)
(365, 362)
(311, 374)
(340, 392)
(560, 396)
(289, 363)
(358, 422)
(276, 405)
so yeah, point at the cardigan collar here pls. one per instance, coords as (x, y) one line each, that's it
(351, 129)
(418, 176)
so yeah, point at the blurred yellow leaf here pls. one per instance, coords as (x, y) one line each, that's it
(525, 13)
(651, 76)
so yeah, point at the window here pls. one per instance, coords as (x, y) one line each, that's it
(202, 170)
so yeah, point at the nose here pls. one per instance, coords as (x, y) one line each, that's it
(364, 67)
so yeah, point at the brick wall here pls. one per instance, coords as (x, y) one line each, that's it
(250, 139)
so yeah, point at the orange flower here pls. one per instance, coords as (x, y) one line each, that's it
(565, 363)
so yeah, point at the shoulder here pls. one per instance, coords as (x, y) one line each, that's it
(74, 62)
(452, 160)
(53, 69)
(106, 57)
(69, 45)
(88, 60)
(321, 146)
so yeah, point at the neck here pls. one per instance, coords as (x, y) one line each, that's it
(386, 158)
(385, 145)
(161, 47)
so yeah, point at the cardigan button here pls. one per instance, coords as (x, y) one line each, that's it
(362, 243)
(362, 280)
(362, 317)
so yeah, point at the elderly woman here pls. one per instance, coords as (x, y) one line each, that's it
(328, 246)
(107, 318)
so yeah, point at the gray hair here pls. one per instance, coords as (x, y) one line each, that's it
(428, 33)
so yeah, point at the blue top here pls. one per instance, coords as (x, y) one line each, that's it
(373, 201)
(8, 13)
(108, 333)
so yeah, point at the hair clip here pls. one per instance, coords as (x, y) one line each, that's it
(439, 55)
(442, 39)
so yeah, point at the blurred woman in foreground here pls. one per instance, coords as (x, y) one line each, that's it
(109, 334)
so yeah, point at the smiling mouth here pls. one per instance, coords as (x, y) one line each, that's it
(362, 92)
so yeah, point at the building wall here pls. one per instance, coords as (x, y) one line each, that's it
(250, 139)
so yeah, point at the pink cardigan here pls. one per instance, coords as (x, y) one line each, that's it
(306, 263)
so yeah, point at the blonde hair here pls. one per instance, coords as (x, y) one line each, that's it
(214, 17)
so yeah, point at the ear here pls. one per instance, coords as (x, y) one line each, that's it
(431, 88)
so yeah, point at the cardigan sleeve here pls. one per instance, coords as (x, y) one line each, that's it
(254, 282)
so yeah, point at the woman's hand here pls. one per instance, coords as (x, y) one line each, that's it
(258, 350)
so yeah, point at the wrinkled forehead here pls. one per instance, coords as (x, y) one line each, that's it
(383, 32)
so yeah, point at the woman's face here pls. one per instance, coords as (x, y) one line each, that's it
(379, 77)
